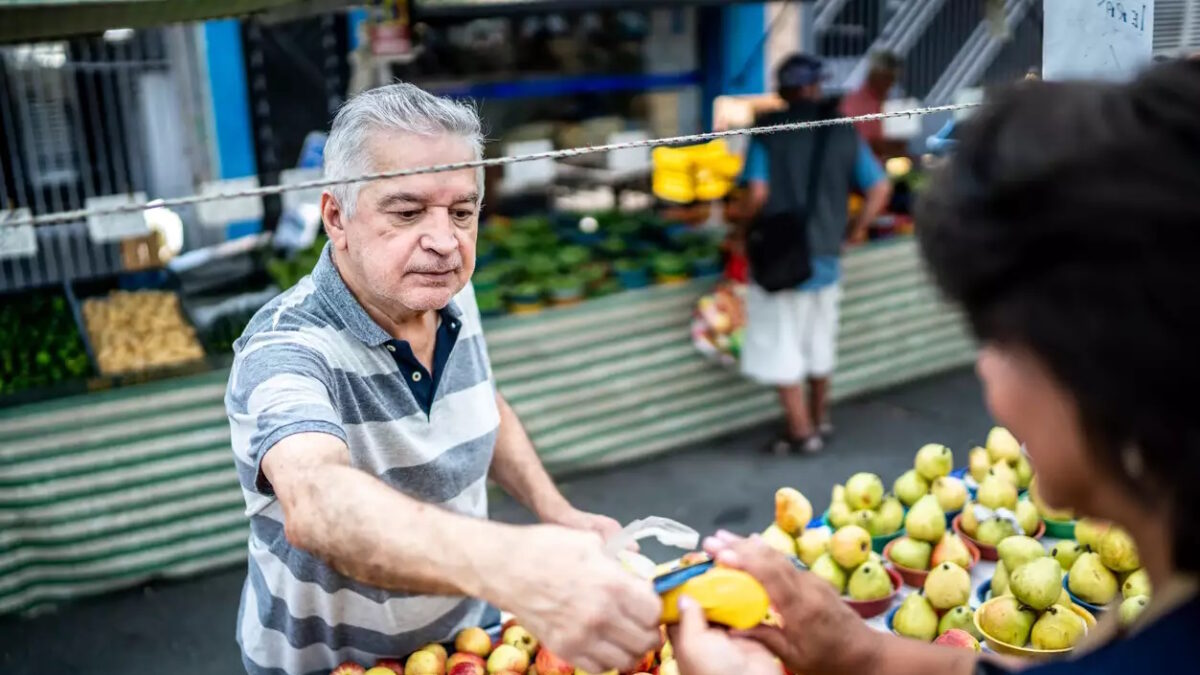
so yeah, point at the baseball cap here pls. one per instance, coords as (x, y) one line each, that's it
(799, 70)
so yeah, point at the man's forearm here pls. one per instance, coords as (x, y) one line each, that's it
(899, 656)
(876, 201)
(517, 468)
(380, 537)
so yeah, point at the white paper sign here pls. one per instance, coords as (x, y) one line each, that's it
(532, 173)
(1096, 39)
(17, 241)
(221, 212)
(629, 160)
(901, 128)
(116, 226)
(294, 198)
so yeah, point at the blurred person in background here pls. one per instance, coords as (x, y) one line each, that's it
(791, 334)
(366, 426)
(883, 72)
(1065, 226)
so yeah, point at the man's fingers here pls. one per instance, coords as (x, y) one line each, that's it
(692, 623)
(772, 569)
(771, 637)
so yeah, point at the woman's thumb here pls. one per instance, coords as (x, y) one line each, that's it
(691, 618)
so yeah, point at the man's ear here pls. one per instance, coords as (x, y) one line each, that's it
(332, 217)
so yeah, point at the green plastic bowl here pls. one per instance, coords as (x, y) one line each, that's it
(1060, 529)
(878, 543)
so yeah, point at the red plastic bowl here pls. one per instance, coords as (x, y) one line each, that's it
(989, 552)
(870, 608)
(916, 578)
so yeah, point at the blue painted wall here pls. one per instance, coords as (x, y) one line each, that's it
(234, 138)
(734, 52)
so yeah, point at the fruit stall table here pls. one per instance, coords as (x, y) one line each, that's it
(108, 489)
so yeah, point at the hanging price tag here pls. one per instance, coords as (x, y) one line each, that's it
(108, 227)
(221, 212)
(16, 241)
(294, 198)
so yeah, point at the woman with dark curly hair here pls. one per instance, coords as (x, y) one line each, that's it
(1067, 227)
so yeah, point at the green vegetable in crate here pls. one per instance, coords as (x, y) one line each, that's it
(571, 257)
(39, 343)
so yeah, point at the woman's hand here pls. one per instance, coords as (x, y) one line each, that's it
(701, 650)
(818, 632)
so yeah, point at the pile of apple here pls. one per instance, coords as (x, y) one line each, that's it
(1102, 559)
(862, 502)
(516, 652)
(930, 475)
(1029, 606)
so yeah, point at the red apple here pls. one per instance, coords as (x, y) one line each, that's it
(393, 665)
(473, 641)
(348, 668)
(956, 637)
(522, 639)
(549, 663)
(463, 657)
(507, 657)
(512, 621)
(466, 668)
(380, 670)
(437, 650)
(424, 662)
(646, 664)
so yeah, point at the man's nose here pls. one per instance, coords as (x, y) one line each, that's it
(439, 236)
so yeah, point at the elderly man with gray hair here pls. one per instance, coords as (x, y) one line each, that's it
(366, 425)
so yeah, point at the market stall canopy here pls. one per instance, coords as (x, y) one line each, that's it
(28, 20)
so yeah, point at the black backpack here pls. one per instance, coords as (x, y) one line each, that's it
(777, 244)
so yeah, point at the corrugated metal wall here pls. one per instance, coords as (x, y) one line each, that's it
(105, 491)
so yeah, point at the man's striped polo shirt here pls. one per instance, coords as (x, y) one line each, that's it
(312, 360)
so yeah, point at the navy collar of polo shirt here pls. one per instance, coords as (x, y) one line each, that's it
(329, 284)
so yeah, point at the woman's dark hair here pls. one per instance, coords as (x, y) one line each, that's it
(1068, 223)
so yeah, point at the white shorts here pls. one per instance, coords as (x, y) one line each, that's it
(790, 335)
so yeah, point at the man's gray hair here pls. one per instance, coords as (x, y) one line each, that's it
(395, 108)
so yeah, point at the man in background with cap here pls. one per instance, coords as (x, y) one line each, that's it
(791, 334)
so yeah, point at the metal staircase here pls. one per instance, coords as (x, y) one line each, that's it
(977, 54)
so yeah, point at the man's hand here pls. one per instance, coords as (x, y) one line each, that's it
(578, 600)
(701, 650)
(575, 519)
(819, 632)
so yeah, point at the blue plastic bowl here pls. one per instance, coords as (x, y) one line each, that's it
(984, 592)
(1094, 609)
(887, 620)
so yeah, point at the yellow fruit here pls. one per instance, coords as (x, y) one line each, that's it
(728, 597)
(793, 511)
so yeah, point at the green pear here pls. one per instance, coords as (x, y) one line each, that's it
(813, 544)
(911, 553)
(1024, 472)
(839, 494)
(915, 618)
(779, 540)
(889, 517)
(961, 617)
(1088, 532)
(869, 582)
(1018, 550)
(839, 515)
(1004, 619)
(864, 491)
(864, 518)
(926, 520)
(1137, 583)
(875, 557)
(1057, 628)
(951, 549)
(970, 521)
(1066, 552)
(910, 487)
(1037, 583)
(1048, 513)
(951, 493)
(947, 585)
(1118, 552)
(850, 546)
(1091, 581)
(994, 530)
(997, 493)
(1132, 608)
(999, 579)
(1028, 517)
(825, 568)
(978, 463)
(1003, 446)
(934, 461)
(1004, 471)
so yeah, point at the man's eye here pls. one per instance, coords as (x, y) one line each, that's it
(408, 215)
(463, 214)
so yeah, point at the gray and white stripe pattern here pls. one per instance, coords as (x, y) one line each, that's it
(312, 360)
